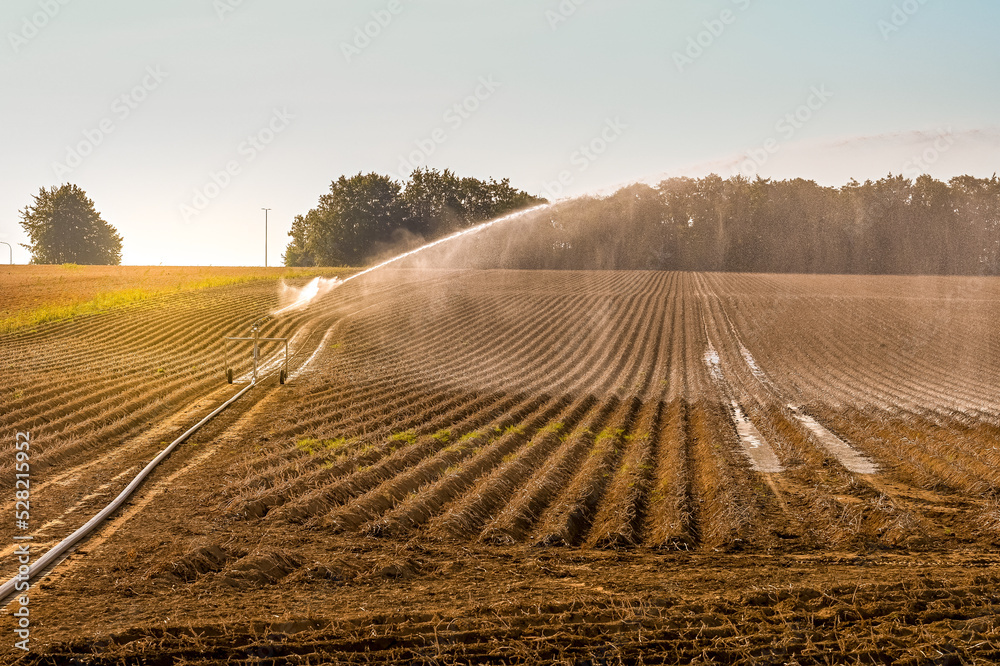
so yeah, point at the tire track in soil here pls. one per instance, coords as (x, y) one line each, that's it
(803, 487)
(902, 519)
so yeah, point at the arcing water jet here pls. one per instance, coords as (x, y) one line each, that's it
(320, 286)
(302, 296)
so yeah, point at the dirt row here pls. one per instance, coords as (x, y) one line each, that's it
(593, 421)
(102, 394)
(520, 467)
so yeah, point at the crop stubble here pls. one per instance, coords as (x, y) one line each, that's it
(533, 417)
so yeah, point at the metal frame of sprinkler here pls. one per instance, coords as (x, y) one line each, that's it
(256, 340)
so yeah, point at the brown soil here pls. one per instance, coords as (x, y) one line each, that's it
(518, 467)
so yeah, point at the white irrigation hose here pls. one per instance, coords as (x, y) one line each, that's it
(55, 552)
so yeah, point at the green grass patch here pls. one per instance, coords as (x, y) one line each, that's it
(126, 297)
(609, 433)
(309, 445)
(100, 303)
(405, 437)
(312, 446)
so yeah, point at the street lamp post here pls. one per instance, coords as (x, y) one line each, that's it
(11, 248)
(265, 235)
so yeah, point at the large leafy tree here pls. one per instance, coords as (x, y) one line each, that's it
(366, 214)
(64, 227)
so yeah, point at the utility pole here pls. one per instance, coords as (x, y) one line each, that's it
(11, 248)
(265, 235)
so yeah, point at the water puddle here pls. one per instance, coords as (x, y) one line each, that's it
(755, 447)
(714, 363)
(847, 456)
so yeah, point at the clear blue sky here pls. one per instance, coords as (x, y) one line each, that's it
(140, 103)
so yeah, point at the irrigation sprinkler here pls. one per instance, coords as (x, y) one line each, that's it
(256, 340)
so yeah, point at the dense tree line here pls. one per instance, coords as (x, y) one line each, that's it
(889, 226)
(364, 216)
(64, 227)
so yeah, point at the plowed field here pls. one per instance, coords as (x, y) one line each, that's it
(522, 467)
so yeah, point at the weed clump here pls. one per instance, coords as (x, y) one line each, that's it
(312, 446)
(405, 437)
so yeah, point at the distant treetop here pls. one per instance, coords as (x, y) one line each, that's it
(893, 225)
